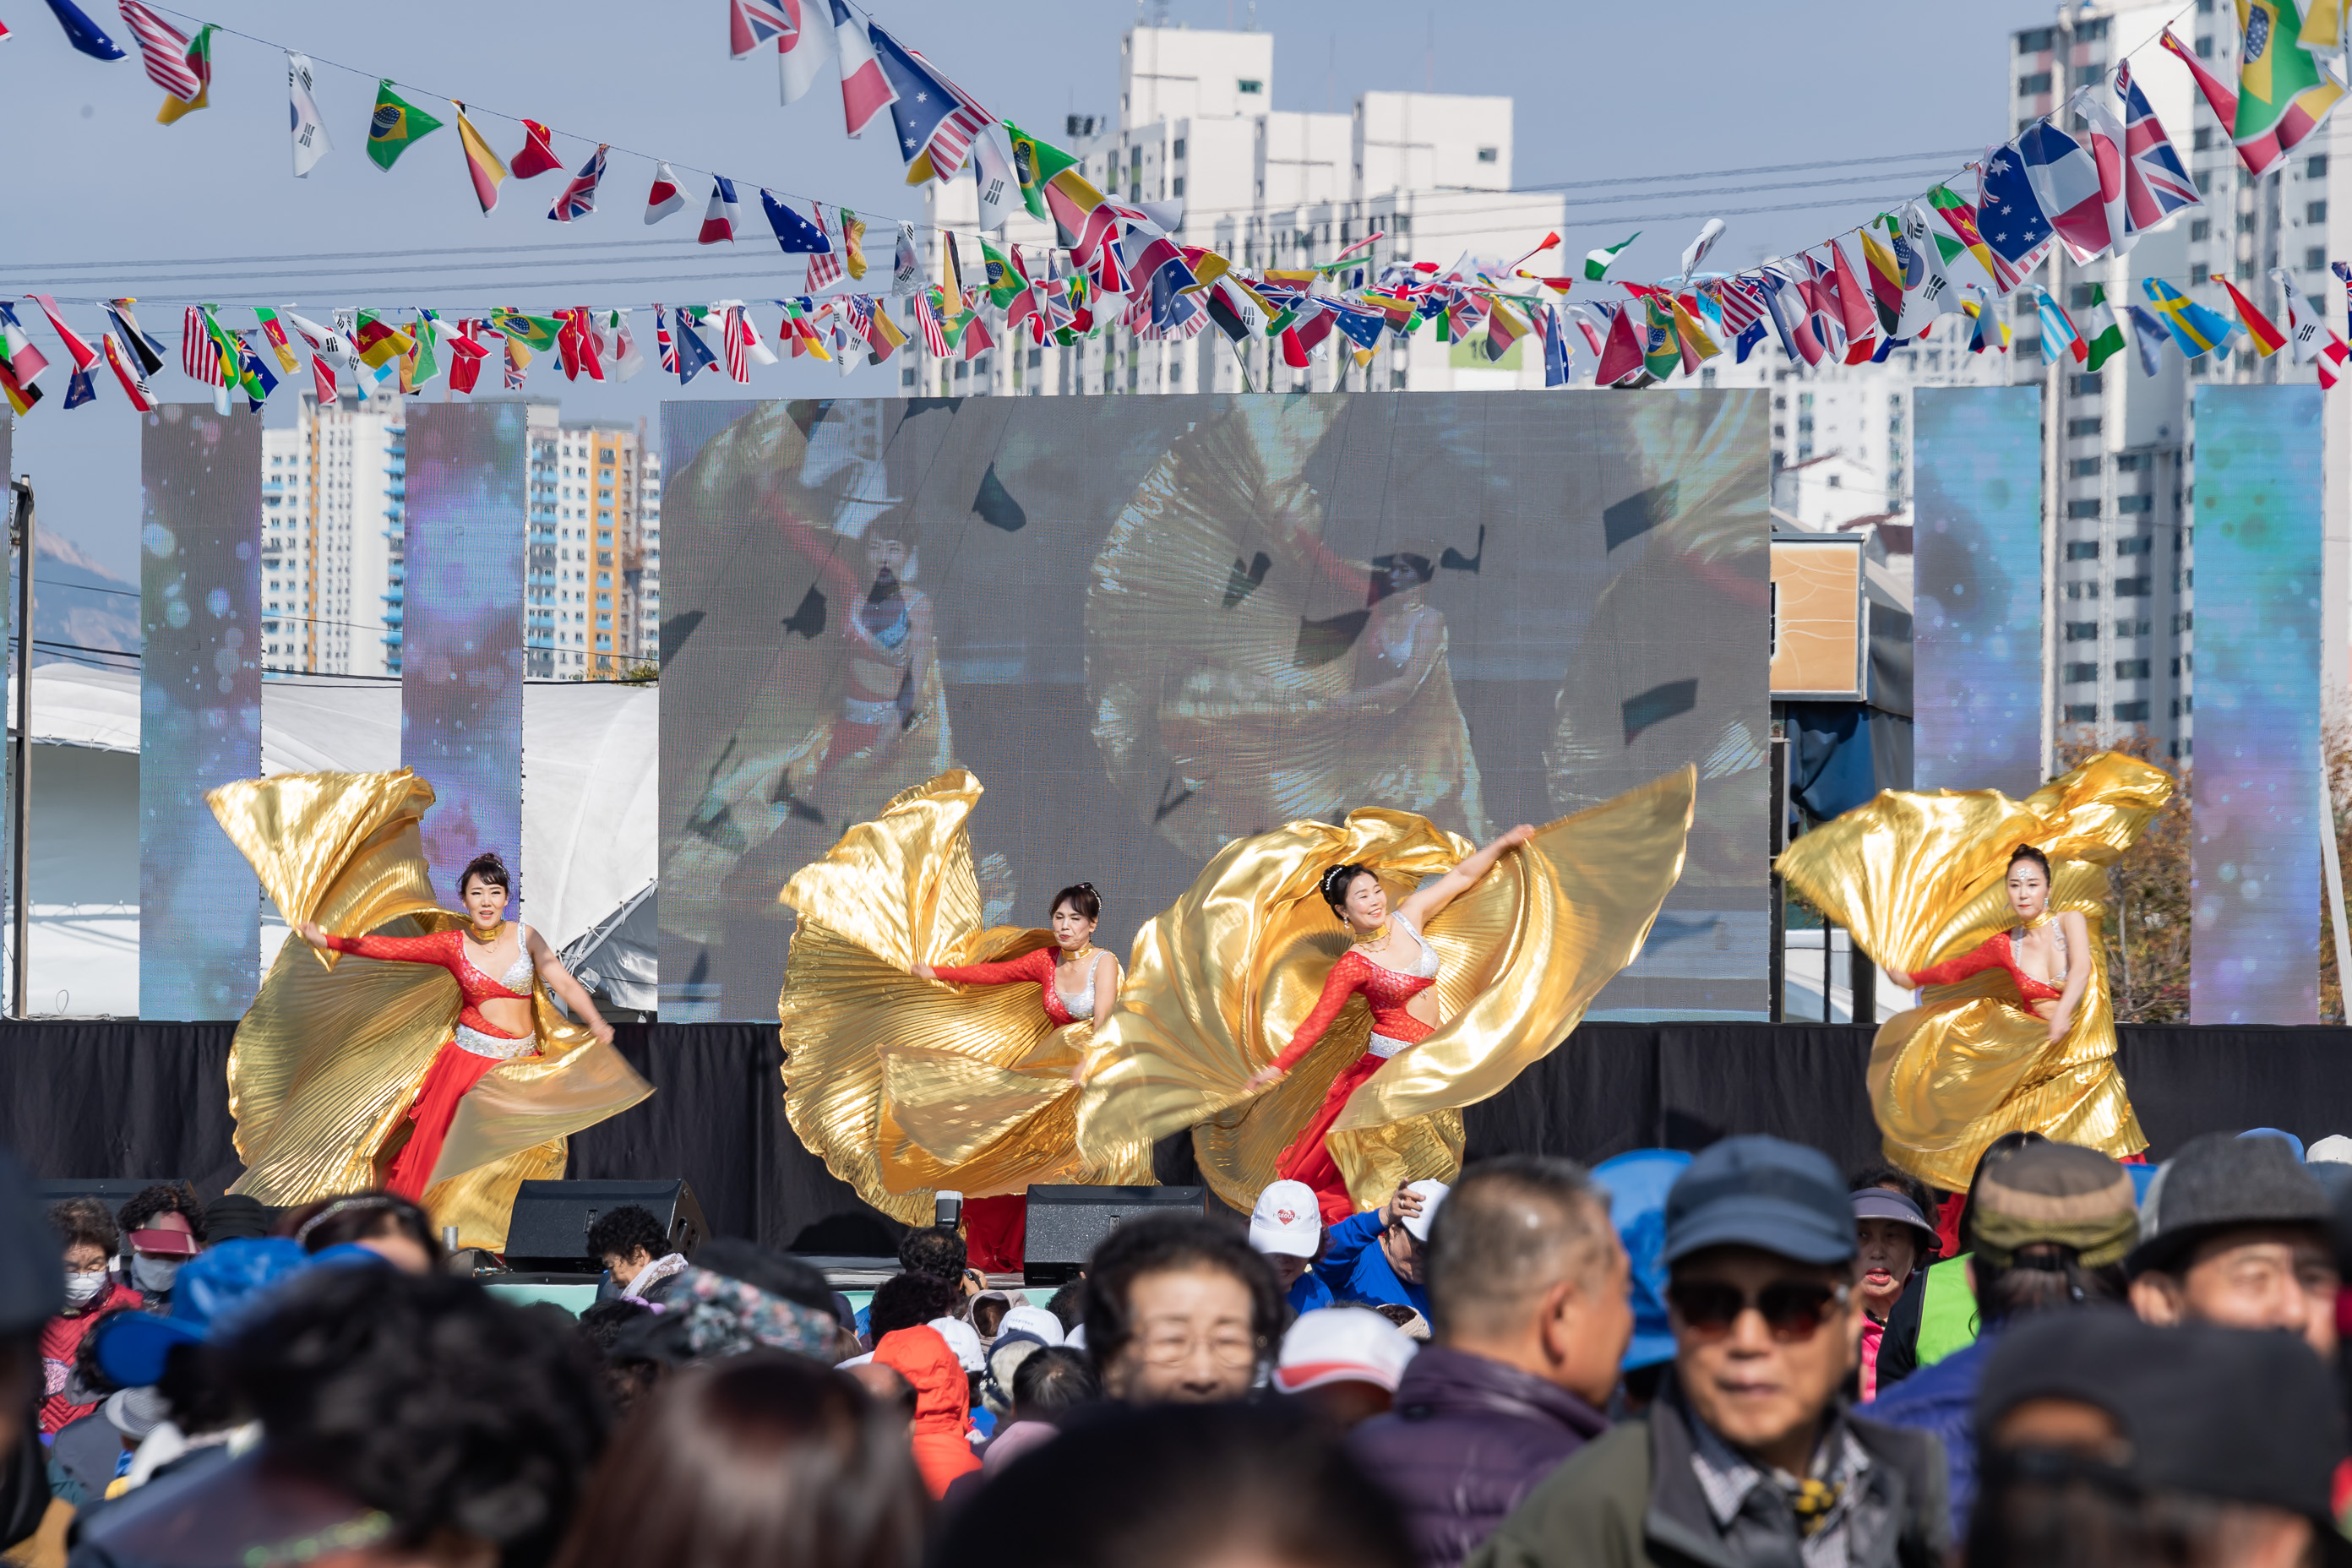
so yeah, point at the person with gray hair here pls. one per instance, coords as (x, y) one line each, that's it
(1529, 1290)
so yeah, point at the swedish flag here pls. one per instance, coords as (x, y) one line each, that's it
(2194, 328)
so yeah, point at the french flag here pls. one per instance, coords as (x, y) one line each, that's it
(718, 217)
(2064, 179)
(865, 91)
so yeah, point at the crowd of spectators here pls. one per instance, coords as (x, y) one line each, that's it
(1732, 1358)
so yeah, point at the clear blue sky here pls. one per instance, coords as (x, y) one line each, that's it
(1603, 92)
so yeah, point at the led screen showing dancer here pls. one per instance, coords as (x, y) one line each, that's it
(200, 706)
(461, 640)
(2253, 877)
(1976, 676)
(1152, 625)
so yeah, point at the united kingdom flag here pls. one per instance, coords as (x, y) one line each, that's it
(2156, 185)
(578, 199)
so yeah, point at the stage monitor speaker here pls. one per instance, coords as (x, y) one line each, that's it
(116, 1190)
(547, 1231)
(1066, 1224)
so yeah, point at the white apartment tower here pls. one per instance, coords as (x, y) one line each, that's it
(1430, 173)
(333, 490)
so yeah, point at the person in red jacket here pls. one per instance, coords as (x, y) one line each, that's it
(942, 1402)
(90, 1240)
(1394, 967)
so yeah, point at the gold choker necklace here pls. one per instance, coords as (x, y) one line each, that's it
(1080, 953)
(1369, 937)
(497, 931)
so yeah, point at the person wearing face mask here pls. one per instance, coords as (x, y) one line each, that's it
(88, 1234)
(1995, 907)
(162, 1226)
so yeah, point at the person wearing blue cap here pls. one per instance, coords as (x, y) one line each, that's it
(1748, 1457)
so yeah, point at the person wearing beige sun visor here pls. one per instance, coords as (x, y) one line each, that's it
(1893, 1238)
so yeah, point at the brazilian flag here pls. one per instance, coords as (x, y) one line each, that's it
(398, 123)
(1661, 345)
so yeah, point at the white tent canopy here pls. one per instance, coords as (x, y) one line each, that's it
(590, 754)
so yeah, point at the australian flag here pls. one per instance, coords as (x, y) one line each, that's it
(2010, 218)
(794, 234)
(931, 114)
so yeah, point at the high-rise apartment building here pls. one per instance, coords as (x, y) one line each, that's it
(592, 572)
(333, 489)
(333, 497)
(1428, 173)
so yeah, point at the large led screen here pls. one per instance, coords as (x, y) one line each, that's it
(2254, 861)
(1976, 676)
(200, 708)
(461, 631)
(1152, 625)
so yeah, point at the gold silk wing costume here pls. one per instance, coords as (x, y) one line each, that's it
(1227, 651)
(1920, 878)
(766, 799)
(328, 1059)
(1222, 979)
(904, 1085)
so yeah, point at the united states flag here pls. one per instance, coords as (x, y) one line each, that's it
(166, 50)
(737, 344)
(199, 356)
(1742, 304)
(935, 337)
(825, 267)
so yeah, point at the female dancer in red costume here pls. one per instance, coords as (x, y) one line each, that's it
(2041, 942)
(496, 1025)
(1077, 983)
(1394, 967)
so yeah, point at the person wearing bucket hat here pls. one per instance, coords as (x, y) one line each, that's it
(2048, 1230)
(1637, 1183)
(1893, 1237)
(1527, 1284)
(2237, 1234)
(208, 1296)
(2111, 1441)
(1748, 1456)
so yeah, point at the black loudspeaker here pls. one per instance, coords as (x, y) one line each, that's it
(548, 1232)
(1066, 1224)
(116, 1190)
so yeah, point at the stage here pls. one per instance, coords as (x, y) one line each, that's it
(130, 1098)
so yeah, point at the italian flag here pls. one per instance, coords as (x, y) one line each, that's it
(1598, 262)
(2111, 339)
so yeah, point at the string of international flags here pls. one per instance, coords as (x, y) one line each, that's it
(1121, 262)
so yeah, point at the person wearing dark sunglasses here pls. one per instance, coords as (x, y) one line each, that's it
(1748, 1456)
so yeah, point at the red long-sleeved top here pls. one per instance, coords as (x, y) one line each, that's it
(1037, 965)
(1388, 990)
(446, 949)
(1996, 952)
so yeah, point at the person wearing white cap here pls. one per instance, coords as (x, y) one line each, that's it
(1287, 1229)
(1346, 1361)
(1378, 1256)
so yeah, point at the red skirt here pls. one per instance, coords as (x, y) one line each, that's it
(453, 1071)
(996, 1232)
(1307, 1159)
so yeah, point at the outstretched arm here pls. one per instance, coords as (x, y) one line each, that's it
(1004, 971)
(1346, 976)
(433, 950)
(570, 992)
(1426, 905)
(2077, 932)
(1952, 970)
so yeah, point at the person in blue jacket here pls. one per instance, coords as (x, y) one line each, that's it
(1377, 1257)
(1287, 1229)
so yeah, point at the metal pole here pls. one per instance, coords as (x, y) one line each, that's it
(2053, 433)
(20, 852)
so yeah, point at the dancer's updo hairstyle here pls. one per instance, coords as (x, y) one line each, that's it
(2028, 852)
(1335, 883)
(490, 869)
(1081, 897)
